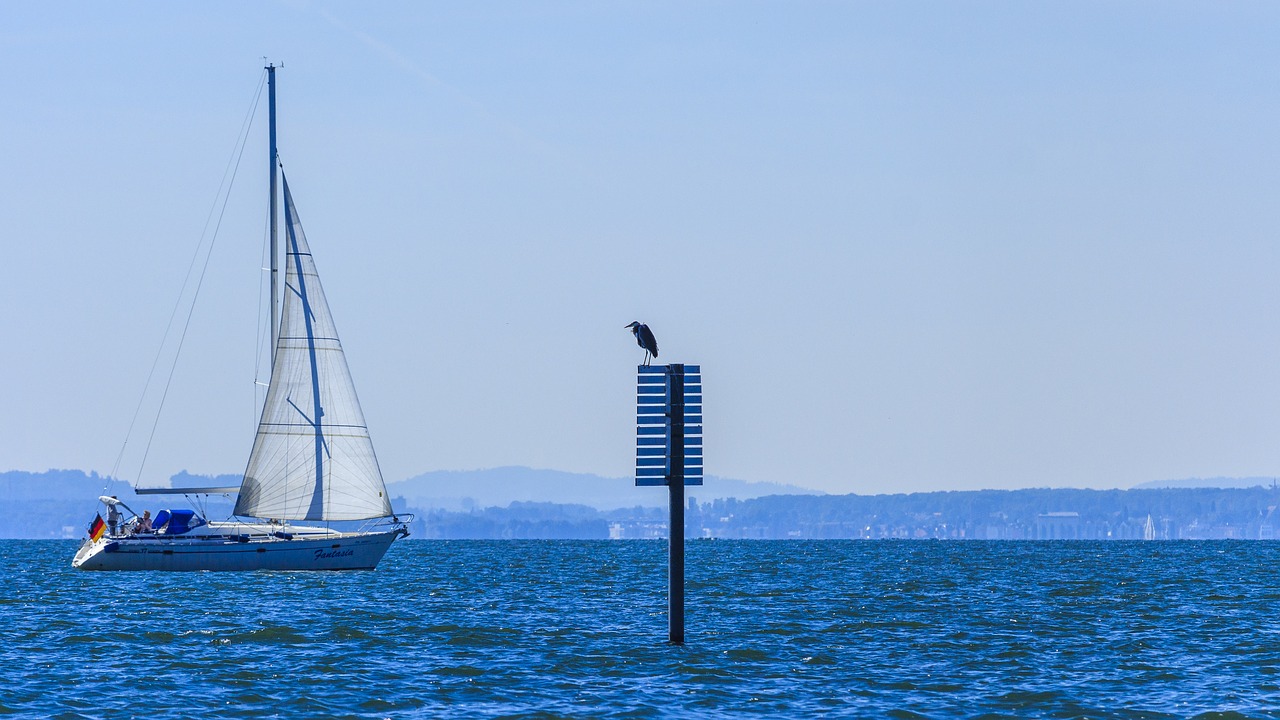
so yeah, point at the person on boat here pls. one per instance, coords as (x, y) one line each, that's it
(113, 517)
(144, 523)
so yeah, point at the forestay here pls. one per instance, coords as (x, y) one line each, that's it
(312, 458)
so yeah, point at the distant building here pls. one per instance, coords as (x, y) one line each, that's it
(1058, 526)
(637, 530)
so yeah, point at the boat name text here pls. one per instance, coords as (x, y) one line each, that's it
(330, 554)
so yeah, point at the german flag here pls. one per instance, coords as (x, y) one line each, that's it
(97, 528)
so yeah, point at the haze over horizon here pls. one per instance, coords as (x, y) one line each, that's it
(563, 484)
(913, 246)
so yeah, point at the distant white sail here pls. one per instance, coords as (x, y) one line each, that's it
(312, 458)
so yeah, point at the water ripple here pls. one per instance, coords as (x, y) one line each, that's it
(532, 629)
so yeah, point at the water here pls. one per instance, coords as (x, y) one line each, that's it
(577, 629)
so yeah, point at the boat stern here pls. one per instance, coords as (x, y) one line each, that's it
(89, 552)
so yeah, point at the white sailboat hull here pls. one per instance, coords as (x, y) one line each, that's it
(221, 547)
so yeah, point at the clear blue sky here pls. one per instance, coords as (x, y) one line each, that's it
(914, 246)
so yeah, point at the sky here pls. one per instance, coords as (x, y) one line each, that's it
(913, 245)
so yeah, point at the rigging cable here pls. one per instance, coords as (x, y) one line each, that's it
(224, 191)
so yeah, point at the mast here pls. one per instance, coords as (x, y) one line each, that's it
(275, 254)
(310, 389)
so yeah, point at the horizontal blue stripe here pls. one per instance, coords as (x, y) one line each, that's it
(658, 446)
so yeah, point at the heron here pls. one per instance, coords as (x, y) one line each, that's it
(645, 339)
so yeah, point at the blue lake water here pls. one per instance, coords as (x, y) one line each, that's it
(577, 629)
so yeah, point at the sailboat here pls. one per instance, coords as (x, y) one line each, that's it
(312, 458)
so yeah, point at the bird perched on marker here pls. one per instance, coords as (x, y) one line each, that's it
(645, 339)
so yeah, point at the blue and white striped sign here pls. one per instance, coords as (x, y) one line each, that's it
(668, 424)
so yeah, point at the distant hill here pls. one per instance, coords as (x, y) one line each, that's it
(1035, 514)
(17, 485)
(499, 487)
(1217, 482)
(185, 479)
(62, 503)
(520, 502)
(54, 503)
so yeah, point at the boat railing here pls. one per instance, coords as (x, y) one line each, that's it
(399, 521)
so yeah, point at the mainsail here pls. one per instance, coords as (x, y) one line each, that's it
(312, 458)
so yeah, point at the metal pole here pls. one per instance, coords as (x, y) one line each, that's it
(675, 483)
(275, 261)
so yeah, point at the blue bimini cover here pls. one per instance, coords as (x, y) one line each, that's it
(157, 522)
(181, 521)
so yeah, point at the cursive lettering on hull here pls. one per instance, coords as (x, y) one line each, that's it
(322, 554)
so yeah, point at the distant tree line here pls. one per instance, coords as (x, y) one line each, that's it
(1167, 514)
(61, 503)
(1174, 513)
